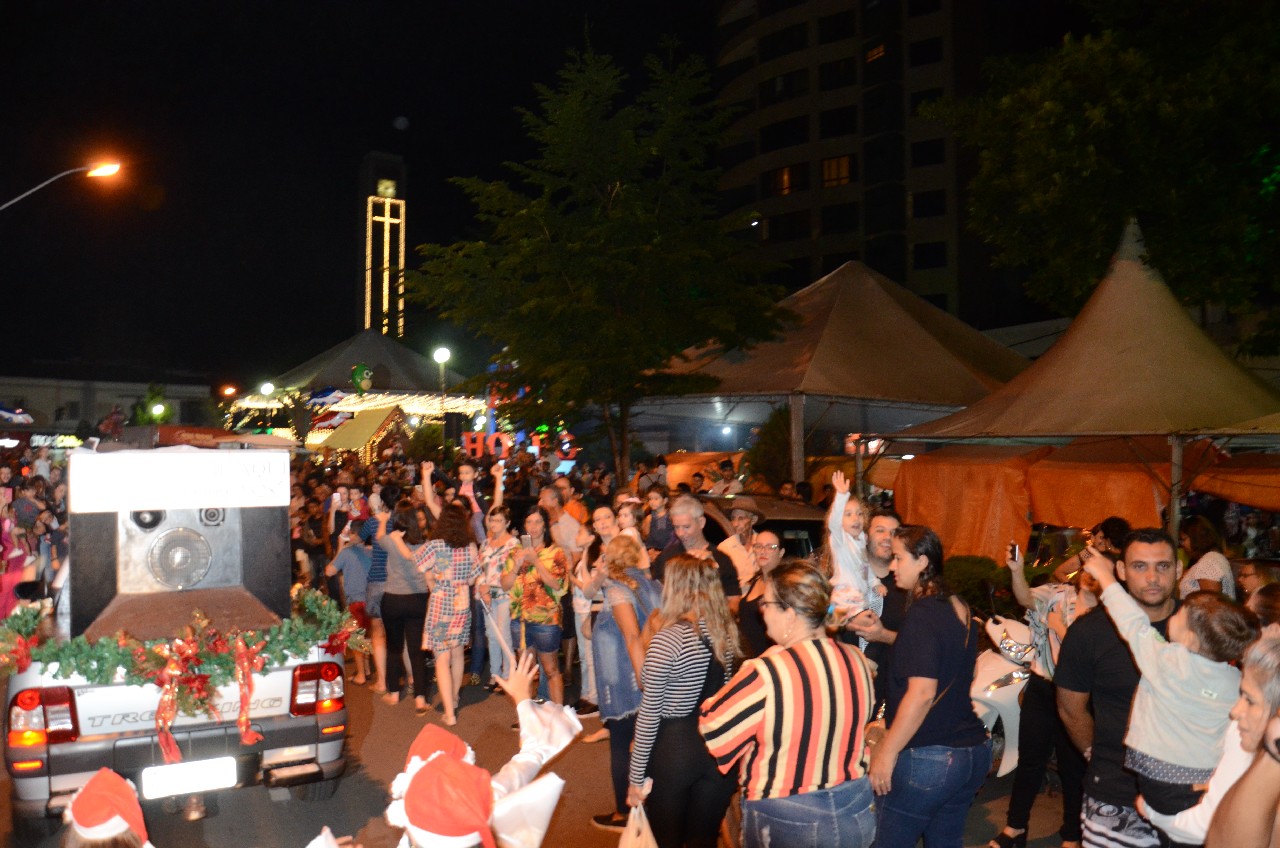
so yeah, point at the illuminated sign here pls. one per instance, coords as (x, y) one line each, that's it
(62, 440)
(499, 444)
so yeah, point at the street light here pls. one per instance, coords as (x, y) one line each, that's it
(441, 356)
(267, 388)
(101, 170)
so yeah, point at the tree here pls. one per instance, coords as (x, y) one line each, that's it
(152, 408)
(608, 257)
(1167, 113)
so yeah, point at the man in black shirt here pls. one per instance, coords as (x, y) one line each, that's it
(687, 521)
(1095, 667)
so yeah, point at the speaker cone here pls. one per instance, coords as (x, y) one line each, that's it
(180, 558)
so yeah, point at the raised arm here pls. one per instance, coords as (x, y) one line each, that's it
(835, 515)
(1018, 577)
(429, 490)
(499, 483)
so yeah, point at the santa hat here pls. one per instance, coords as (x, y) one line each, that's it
(431, 742)
(107, 806)
(448, 803)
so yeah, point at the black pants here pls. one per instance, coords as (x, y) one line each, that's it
(1040, 733)
(690, 795)
(405, 617)
(622, 732)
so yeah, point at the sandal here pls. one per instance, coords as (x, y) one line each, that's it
(1004, 840)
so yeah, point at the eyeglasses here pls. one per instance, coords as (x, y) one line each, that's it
(779, 604)
(763, 547)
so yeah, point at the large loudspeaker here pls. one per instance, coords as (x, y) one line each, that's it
(146, 571)
(145, 554)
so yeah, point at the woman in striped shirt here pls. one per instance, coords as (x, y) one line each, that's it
(692, 653)
(794, 718)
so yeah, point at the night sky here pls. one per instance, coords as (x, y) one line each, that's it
(230, 247)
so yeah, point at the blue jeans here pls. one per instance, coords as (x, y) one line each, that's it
(933, 788)
(841, 816)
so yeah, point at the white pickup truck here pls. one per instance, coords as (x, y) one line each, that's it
(174, 553)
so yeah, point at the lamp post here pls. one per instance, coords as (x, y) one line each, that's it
(104, 170)
(441, 356)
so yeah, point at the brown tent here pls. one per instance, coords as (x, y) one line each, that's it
(1132, 363)
(864, 354)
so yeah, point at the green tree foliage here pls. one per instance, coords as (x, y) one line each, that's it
(606, 256)
(143, 411)
(1168, 112)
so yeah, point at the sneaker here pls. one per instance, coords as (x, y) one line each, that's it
(586, 709)
(615, 822)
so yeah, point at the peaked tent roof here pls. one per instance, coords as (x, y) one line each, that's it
(1132, 363)
(396, 367)
(861, 336)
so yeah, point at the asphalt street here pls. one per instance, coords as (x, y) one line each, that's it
(379, 737)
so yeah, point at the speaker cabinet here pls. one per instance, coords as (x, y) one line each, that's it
(145, 571)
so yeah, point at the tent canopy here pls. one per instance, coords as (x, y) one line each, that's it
(396, 367)
(857, 334)
(866, 353)
(353, 435)
(1132, 363)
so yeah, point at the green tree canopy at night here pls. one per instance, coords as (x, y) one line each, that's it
(1170, 113)
(606, 256)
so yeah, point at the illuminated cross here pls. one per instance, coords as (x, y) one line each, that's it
(389, 213)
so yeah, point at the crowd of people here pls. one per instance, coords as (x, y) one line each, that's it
(830, 694)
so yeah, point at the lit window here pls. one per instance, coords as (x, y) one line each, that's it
(874, 53)
(835, 171)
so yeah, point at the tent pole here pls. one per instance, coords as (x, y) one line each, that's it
(1175, 488)
(796, 404)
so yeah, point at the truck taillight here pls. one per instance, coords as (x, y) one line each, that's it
(317, 689)
(43, 716)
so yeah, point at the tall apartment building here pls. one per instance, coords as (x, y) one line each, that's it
(831, 151)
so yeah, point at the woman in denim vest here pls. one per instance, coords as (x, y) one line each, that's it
(630, 595)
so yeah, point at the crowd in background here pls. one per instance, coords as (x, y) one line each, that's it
(831, 694)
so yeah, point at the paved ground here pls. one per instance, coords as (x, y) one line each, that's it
(380, 736)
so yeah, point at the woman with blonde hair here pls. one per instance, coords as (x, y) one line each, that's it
(630, 597)
(692, 654)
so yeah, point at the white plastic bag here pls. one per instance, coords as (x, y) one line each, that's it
(637, 833)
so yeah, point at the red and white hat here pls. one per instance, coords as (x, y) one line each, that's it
(107, 806)
(434, 740)
(448, 803)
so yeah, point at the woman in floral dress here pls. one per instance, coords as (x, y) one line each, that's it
(451, 563)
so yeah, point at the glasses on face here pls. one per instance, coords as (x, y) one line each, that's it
(779, 604)
(761, 548)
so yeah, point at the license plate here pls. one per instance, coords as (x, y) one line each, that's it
(186, 778)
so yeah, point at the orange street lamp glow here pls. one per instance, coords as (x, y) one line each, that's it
(107, 169)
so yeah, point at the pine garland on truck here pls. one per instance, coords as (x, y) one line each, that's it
(190, 667)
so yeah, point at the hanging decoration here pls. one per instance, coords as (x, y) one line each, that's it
(361, 377)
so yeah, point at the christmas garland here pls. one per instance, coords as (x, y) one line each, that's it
(190, 668)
